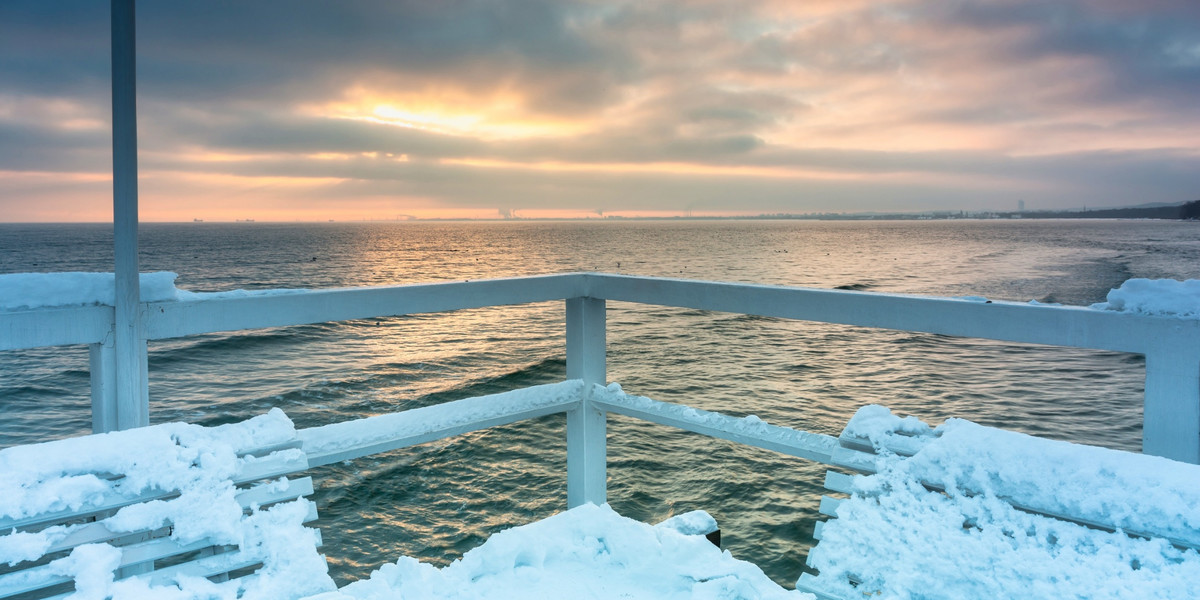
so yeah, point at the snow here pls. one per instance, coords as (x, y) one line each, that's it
(894, 535)
(909, 542)
(588, 552)
(85, 473)
(381, 429)
(25, 291)
(37, 290)
(1157, 297)
(1135, 492)
(696, 522)
(748, 427)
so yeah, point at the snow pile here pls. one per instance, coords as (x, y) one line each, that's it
(199, 463)
(1158, 297)
(24, 291)
(907, 542)
(588, 552)
(36, 290)
(696, 522)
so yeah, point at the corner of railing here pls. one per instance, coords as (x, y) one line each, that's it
(586, 283)
(586, 426)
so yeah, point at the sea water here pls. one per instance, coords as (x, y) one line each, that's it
(437, 500)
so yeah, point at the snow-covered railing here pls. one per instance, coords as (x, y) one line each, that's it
(1171, 345)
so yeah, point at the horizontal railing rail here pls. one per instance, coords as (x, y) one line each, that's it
(1171, 420)
(39, 328)
(348, 440)
(1043, 324)
(178, 319)
(1070, 326)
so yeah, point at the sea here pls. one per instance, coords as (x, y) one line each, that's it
(438, 500)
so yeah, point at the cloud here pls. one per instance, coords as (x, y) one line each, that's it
(768, 105)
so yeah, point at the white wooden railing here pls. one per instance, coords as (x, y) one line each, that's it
(1171, 346)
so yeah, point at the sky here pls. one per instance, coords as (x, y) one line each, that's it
(396, 109)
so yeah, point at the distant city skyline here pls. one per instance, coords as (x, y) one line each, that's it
(316, 110)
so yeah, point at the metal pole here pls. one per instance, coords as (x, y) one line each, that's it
(129, 343)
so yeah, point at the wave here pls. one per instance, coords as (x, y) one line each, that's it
(37, 391)
(398, 376)
(854, 287)
(546, 370)
(191, 349)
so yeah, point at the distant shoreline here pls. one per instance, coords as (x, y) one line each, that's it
(1186, 211)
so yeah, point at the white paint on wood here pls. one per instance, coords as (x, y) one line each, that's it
(793, 442)
(1006, 321)
(129, 345)
(427, 424)
(587, 477)
(829, 506)
(1171, 345)
(102, 374)
(42, 327)
(1171, 418)
(177, 319)
(839, 482)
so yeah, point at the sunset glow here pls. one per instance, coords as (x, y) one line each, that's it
(575, 110)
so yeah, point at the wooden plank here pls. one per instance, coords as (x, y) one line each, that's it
(854, 460)
(102, 378)
(815, 585)
(159, 549)
(839, 482)
(275, 465)
(55, 326)
(865, 463)
(326, 445)
(177, 319)
(259, 451)
(267, 494)
(1171, 415)
(829, 506)
(785, 440)
(1073, 326)
(263, 495)
(109, 503)
(587, 477)
(143, 553)
(211, 565)
(817, 528)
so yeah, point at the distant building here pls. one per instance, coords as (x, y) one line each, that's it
(1020, 206)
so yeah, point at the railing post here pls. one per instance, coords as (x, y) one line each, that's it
(103, 372)
(130, 384)
(1171, 414)
(586, 443)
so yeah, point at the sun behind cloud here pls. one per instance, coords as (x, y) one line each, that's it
(499, 115)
